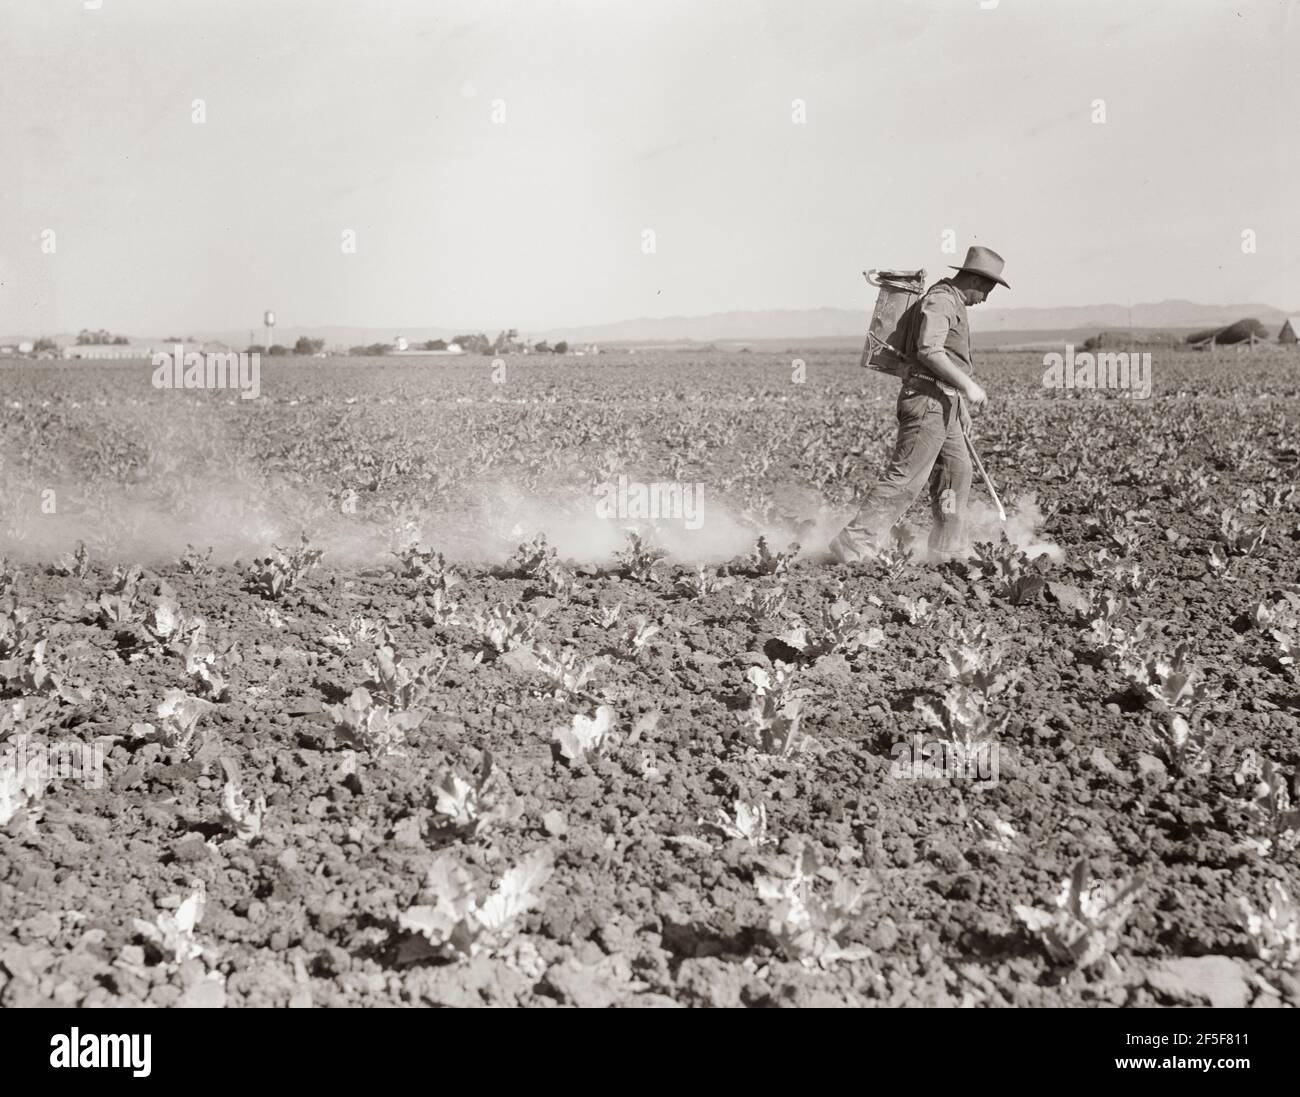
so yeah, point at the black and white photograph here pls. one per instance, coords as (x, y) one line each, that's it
(604, 504)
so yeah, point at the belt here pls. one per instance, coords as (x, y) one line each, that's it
(929, 386)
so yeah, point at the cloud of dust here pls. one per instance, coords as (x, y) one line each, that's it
(1024, 521)
(241, 516)
(1022, 527)
(506, 514)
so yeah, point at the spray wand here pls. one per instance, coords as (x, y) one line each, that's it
(1002, 514)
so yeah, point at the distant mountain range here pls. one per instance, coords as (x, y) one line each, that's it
(824, 325)
(834, 323)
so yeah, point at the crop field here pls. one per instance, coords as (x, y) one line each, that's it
(384, 689)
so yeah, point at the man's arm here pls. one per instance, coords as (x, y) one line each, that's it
(939, 363)
(938, 312)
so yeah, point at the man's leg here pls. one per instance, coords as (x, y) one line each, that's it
(950, 488)
(921, 436)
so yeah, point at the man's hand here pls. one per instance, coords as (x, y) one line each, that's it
(943, 368)
(974, 397)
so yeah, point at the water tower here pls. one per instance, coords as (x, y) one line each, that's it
(268, 319)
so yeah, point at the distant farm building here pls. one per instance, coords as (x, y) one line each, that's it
(100, 351)
(1246, 332)
(105, 350)
(436, 347)
(1290, 332)
(1134, 337)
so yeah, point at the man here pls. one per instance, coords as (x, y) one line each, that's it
(934, 407)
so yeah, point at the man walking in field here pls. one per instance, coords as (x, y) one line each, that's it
(934, 407)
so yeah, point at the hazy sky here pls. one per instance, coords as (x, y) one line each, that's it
(621, 116)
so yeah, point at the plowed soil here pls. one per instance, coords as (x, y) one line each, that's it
(646, 905)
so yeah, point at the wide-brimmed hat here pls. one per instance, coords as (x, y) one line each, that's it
(983, 261)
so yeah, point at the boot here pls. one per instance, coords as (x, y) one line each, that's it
(852, 546)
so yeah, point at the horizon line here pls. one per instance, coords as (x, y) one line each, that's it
(866, 309)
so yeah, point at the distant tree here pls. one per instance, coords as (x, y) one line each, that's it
(507, 342)
(474, 344)
(374, 350)
(435, 344)
(88, 338)
(562, 347)
(277, 350)
(308, 346)
(254, 348)
(1239, 332)
(44, 343)
(543, 347)
(1121, 339)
